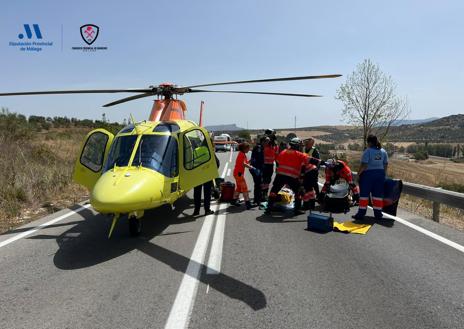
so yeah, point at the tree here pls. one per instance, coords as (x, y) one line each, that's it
(245, 134)
(370, 100)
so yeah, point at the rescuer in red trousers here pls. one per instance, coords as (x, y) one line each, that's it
(289, 164)
(334, 170)
(310, 175)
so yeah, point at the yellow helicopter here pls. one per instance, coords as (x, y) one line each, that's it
(153, 162)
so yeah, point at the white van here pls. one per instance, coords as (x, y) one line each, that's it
(222, 142)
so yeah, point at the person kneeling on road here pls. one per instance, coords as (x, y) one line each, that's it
(289, 164)
(335, 170)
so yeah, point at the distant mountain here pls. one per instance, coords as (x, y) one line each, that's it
(220, 128)
(452, 121)
(413, 122)
(444, 130)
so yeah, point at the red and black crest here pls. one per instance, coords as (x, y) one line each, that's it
(89, 33)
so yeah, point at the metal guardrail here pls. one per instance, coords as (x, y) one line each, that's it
(437, 195)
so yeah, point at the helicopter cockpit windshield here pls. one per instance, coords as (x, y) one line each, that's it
(120, 151)
(156, 152)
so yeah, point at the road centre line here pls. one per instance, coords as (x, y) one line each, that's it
(181, 311)
(215, 255)
(225, 170)
(51, 222)
(231, 153)
(228, 172)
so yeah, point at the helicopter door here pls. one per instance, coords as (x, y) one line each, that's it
(89, 164)
(198, 164)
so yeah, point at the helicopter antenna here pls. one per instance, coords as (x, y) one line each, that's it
(133, 120)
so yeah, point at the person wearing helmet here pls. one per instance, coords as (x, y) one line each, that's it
(289, 164)
(270, 150)
(335, 170)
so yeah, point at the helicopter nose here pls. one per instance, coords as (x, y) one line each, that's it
(124, 190)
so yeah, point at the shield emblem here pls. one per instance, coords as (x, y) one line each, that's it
(89, 33)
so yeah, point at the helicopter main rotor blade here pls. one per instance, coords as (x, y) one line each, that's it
(251, 92)
(309, 77)
(127, 99)
(78, 91)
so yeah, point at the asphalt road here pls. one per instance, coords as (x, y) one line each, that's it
(237, 269)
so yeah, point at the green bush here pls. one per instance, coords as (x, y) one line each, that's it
(421, 155)
(355, 147)
(440, 150)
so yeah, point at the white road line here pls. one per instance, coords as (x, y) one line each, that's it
(228, 172)
(231, 153)
(181, 310)
(435, 236)
(427, 232)
(225, 170)
(215, 255)
(51, 222)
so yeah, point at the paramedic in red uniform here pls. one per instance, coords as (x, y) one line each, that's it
(334, 170)
(271, 150)
(289, 165)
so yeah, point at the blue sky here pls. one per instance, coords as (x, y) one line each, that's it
(419, 43)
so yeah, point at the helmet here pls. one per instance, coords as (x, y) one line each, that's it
(295, 143)
(331, 163)
(269, 132)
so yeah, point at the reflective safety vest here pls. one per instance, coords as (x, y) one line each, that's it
(270, 153)
(200, 155)
(310, 166)
(290, 163)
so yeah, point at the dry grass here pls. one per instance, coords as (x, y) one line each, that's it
(449, 216)
(35, 175)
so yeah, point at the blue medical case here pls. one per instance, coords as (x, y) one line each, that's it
(320, 222)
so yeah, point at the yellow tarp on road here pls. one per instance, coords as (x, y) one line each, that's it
(350, 227)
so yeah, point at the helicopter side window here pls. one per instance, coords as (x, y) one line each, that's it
(158, 152)
(121, 151)
(196, 151)
(94, 151)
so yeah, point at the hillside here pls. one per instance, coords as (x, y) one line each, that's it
(448, 129)
(224, 128)
(443, 130)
